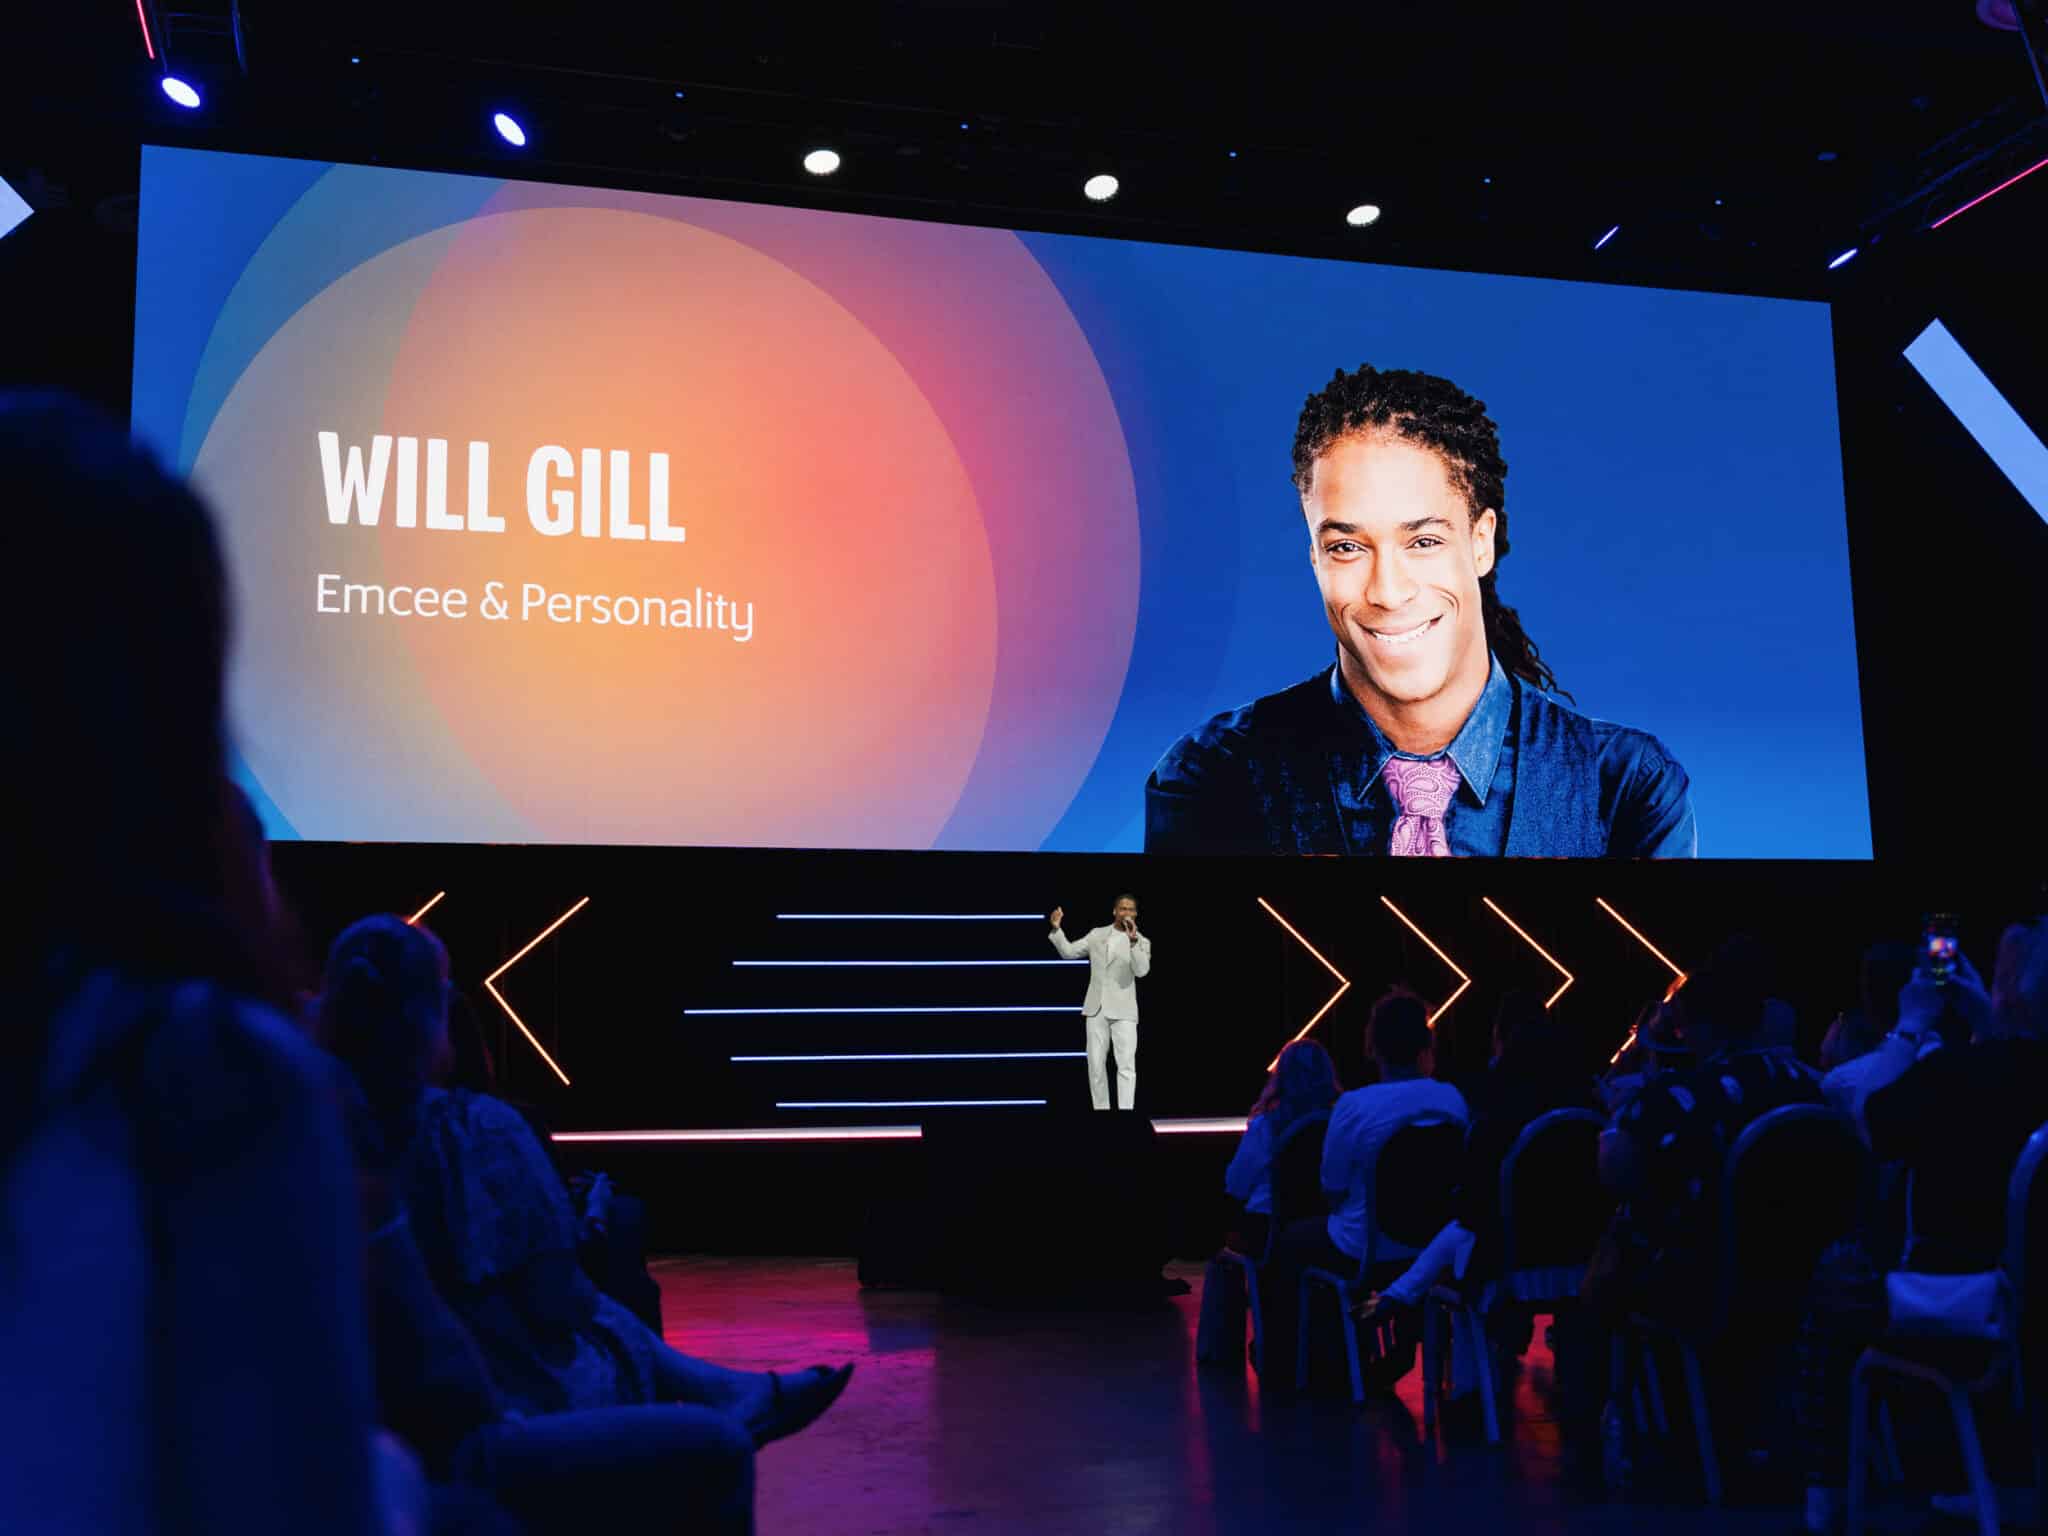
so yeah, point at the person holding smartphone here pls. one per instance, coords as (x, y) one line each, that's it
(1943, 1002)
(1953, 1118)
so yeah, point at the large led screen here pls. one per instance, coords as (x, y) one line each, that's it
(573, 515)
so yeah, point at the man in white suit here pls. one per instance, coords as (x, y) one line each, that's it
(1117, 956)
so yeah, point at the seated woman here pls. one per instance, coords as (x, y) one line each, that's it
(1303, 1082)
(493, 1220)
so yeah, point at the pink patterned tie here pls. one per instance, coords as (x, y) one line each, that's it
(1422, 788)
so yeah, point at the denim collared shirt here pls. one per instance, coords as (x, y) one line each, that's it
(1303, 771)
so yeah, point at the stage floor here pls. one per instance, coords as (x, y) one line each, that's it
(962, 1418)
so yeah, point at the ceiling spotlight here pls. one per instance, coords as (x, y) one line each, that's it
(1607, 237)
(509, 129)
(1362, 215)
(1101, 187)
(1843, 260)
(180, 92)
(822, 162)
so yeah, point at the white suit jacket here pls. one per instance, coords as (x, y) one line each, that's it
(1114, 966)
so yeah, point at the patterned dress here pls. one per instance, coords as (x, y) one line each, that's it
(498, 1234)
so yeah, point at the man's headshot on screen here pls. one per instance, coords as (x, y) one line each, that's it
(1439, 729)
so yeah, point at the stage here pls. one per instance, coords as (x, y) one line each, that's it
(752, 1040)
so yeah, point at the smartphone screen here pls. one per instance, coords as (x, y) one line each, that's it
(1941, 945)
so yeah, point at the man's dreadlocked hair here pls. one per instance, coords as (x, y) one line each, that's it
(1431, 413)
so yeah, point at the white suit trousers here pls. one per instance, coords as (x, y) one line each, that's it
(1123, 1033)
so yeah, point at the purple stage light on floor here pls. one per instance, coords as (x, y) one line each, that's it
(1607, 237)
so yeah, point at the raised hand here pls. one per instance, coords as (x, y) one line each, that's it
(1057, 914)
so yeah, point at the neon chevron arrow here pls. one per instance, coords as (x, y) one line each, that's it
(1678, 977)
(1523, 933)
(1464, 981)
(1343, 981)
(490, 986)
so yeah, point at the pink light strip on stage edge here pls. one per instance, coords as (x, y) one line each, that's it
(928, 1056)
(908, 1103)
(963, 1008)
(1226, 1126)
(910, 917)
(893, 964)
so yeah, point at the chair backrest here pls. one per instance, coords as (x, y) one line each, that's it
(1414, 1183)
(1796, 1180)
(1553, 1206)
(2027, 1190)
(1297, 1172)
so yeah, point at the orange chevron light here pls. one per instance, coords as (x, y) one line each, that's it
(1678, 977)
(499, 998)
(1546, 954)
(1343, 981)
(1464, 981)
(433, 901)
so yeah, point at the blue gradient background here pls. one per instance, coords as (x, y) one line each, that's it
(1674, 497)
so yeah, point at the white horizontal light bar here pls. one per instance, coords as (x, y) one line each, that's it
(891, 963)
(928, 1056)
(839, 1132)
(13, 208)
(970, 1008)
(1987, 415)
(902, 1103)
(909, 917)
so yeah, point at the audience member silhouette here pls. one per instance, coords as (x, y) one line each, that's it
(493, 1220)
(1303, 1082)
(1362, 1121)
(1535, 1069)
(1953, 1119)
(184, 1329)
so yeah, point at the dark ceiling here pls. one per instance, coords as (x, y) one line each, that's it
(1737, 144)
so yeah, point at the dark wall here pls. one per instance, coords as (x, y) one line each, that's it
(1948, 561)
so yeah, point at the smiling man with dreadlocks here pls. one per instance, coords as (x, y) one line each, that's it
(1437, 730)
